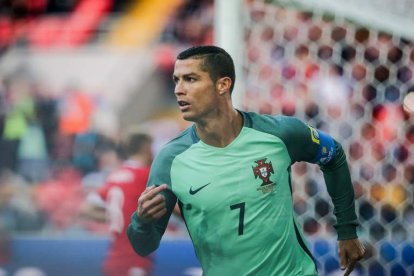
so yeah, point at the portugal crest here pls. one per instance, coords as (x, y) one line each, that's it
(263, 170)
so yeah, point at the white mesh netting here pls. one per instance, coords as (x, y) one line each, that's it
(348, 80)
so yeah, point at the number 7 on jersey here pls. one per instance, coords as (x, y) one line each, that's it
(240, 206)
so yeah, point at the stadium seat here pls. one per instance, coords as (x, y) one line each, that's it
(82, 22)
(42, 33)
(6, 32)
(72, 30)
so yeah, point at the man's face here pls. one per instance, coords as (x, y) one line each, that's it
(194, 89)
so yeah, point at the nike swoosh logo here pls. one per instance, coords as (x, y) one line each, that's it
(193, 192)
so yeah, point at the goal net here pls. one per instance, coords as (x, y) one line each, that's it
(343, 67)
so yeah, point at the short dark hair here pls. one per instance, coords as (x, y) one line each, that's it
(216, 61)
(133, 142)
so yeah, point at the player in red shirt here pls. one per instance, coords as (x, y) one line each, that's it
(115, 202)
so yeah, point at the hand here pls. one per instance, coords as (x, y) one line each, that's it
(350, 252)
(151, 205)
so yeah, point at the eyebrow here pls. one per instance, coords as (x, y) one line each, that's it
(186, 75)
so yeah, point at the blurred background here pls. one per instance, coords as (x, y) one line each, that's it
(75, 73)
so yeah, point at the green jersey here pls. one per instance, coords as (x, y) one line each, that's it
(237, 201)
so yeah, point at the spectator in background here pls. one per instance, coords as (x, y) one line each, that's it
(46, 104)
(20, 110)
(75, 110)
(33, 151)
(2, 108)
(107, 159)
(116, 200)
(18, 211)
(32, 155)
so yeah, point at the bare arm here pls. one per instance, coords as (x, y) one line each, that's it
(91, 210)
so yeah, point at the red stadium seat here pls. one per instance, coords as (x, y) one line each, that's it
(82, 22)
(72, 30)
(6, 32)
(43, 32)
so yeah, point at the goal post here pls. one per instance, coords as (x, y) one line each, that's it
(229, 34)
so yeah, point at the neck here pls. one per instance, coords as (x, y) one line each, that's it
(221, 130)
(138, 159)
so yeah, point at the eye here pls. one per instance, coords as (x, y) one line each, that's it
(190, 79)
(175, 79)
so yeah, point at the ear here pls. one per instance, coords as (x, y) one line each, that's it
(223, 85)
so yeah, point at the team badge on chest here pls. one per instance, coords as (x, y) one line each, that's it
(263, 171)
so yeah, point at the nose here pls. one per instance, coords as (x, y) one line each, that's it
(178, 89)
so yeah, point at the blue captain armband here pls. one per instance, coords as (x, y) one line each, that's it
(326, 146)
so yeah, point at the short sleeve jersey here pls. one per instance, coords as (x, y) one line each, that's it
(237, 200)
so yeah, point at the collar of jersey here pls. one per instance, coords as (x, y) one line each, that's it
(196, 139)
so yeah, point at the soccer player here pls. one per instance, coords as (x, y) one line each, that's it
(230, 172)
(116, 200)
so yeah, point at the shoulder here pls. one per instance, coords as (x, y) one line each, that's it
(161, 166)
(278, 125)
(121, 175)
(176, 146)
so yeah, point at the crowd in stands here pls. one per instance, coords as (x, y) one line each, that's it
(50, 146)
(46, 138)
(53, 154)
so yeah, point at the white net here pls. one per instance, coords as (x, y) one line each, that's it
(348, 79)
(393, 16)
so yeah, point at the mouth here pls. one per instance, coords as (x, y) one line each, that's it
(183, 105)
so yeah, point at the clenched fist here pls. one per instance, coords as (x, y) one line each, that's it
(151, 204)
(350, 252)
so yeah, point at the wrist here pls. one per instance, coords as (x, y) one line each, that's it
(138, 224)
(347, 232)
